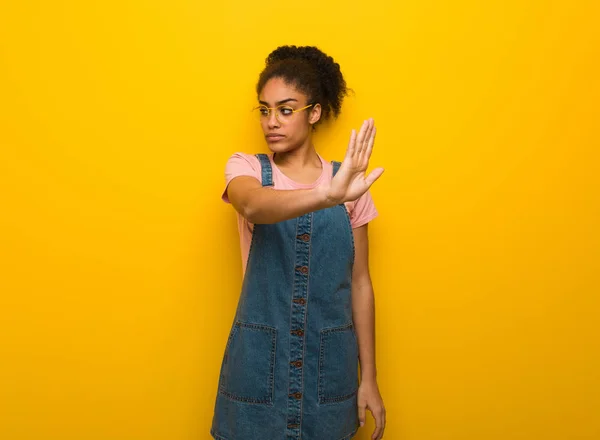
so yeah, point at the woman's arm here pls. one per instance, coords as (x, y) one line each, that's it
(260, 204)
(267, 205)
(363, 315)
(363, 304)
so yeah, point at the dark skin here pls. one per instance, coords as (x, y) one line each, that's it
(296, 157)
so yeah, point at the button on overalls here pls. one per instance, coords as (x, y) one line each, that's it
(290, 366)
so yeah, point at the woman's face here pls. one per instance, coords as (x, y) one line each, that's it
(292, 129)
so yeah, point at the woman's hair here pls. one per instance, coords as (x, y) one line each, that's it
(311, 72)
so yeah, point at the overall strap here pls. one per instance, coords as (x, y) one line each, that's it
(336, 166)
(267, 172)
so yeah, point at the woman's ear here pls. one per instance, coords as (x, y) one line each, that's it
(315, 114)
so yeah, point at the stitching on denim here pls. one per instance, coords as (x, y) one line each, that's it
(231, 335)
(337, 399)
(273, 332)
(254, 226)
(323, 335)
(273, 360)
(336, 165)
(311, 220)
(290, 369)
(337, 328)
(320, 378)
(266, 170)
(252, 240)
(219, 437)
(349, 223)
(349, 436)
(232, 332)
(246, 399)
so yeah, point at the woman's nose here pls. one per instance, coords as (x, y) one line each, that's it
(272, 120)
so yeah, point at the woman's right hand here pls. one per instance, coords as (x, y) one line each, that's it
(350, 182)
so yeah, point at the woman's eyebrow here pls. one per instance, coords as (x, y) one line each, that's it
(283, 101)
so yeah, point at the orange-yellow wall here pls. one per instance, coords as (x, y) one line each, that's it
(120, 265)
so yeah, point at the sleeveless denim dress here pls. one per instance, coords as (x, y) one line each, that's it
(290, 366)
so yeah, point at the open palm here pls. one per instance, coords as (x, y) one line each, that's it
(351, 181)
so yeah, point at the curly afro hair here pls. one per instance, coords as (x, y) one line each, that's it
(311, 72)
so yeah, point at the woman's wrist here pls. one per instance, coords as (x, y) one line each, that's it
(368, 375)
(324, 196)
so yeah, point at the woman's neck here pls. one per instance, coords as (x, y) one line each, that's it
(298, 158)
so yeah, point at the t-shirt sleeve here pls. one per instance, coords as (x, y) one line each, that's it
(240, 164)
(364, 210)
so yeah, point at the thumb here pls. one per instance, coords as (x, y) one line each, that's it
(361, 414)
(374, 175)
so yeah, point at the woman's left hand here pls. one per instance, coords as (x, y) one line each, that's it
(369, 398)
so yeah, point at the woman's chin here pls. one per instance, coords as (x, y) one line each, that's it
(279, 147)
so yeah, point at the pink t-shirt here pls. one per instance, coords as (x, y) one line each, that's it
(361, 210)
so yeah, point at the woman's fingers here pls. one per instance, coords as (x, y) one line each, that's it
(379, 416)
(370, 144)
(378, 425)
(361, 143)
(361, 138)
(362, 414)
(351, 144)
(366, 140)
(373, 176)
(366, 134)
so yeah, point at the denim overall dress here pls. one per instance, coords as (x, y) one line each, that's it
(290, 366)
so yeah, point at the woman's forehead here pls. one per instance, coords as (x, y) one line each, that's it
(277, 89)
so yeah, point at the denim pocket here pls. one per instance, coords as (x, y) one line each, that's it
(338, 364)
(248, 363)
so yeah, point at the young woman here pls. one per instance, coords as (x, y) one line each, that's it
(305, 316)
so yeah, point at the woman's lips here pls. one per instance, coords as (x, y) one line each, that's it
(274, 137)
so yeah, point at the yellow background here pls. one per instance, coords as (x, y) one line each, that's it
(120, 267)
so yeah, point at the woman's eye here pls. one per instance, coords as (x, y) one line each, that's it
(286, 111)
(263, 111)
